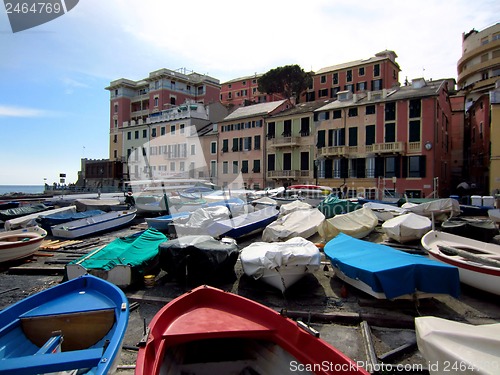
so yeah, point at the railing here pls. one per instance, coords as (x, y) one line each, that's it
(414, 147)
(285, 141)
(294, 174)
(333, 151)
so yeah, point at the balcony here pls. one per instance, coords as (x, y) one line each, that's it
(414, 147)
(389, 148)
(286, 175)
(332, 151)
(284, 142)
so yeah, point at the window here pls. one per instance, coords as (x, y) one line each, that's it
(370, 109)
(271, 162)
(235, 167)
(256, 166)
(172, 129)
(353, 112)
(129, 135)
(390, 133)
(271, 130)
(414, 166)
(376, 70)
(415, 108)
(256, 141)
(304, 126)
(247, 143)
(287, 161)
(145, 133)
(390, 111)
(116, 107)
(353, 136)
(136, 134)
(304, 161)
(322, 79)
(349, 87)
(225, 167)
(370, 135)
(349, 75)
(172, 100)
(376, 85)
(213, 168)
(153, 132)
(213, 147)
(235, 145)
(335, 78)
(334, 91)
(162, 130)
(361, 86)
(322, 93)
(193, 149)
(225, 145)
(321, 139)
(337, 113)
(361, 71)
(287, 128)
(181, 128)
(172, 166)
(156, 101)
(370, 167)
(390, 167)
(244, 166)
(414, 131)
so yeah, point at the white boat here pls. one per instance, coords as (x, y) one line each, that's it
(31, 219)
(20, 243)
(280, 264)
(407, 227)
(478, 262)
(440, 209)
(459, 348)
(300, 223)
(357, 224)
(296, 205)
(90, 204)
(384, 211)
(94, 224)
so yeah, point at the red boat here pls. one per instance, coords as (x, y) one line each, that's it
(209, 331)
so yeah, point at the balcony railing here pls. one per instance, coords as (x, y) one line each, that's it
(389, 148)
(333, 151)
(414, 147)
(293, 174)
(284, 141)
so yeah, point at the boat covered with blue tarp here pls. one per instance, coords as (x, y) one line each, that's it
(48, 221)
(385, 272)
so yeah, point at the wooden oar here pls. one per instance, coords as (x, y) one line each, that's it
(465, 254)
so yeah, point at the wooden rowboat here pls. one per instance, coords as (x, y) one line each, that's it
(20, 243)
(209, 331)
(75, 326)
(478, 262)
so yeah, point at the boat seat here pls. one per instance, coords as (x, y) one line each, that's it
(51, 345)
(52, 362)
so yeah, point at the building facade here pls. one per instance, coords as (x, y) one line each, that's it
(373, 74)
(238, 155)
(388, 142)
(244, 91)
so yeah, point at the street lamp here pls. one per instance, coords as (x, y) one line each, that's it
(316, 170)
(394, 179)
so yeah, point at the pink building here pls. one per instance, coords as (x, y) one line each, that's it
(237, 156)
(244, 91)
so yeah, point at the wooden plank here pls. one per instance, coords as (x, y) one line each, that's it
(371, 355)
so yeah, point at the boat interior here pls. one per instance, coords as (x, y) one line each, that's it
(245, 356)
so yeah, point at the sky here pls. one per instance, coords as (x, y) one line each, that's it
(54, 109)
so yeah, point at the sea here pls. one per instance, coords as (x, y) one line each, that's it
(23, 189)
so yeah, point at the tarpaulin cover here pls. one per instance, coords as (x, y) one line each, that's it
(260, 256)
(391, 271)
(198, 257)
(136, 251)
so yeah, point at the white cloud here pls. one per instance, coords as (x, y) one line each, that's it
(14, 111)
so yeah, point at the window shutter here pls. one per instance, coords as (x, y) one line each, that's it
(423, 166)
(405, 166)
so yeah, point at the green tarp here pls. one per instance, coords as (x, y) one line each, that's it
(135, 251)
(333, 205)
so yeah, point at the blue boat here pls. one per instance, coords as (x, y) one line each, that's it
(76, 325)
(387, 273)
(243, 225)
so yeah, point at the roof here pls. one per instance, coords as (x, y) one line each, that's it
(254, 76)
(431, 88)
(384, 55)
(306, 107)
(260, 109)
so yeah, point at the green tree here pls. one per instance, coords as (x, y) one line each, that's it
(286, 80)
